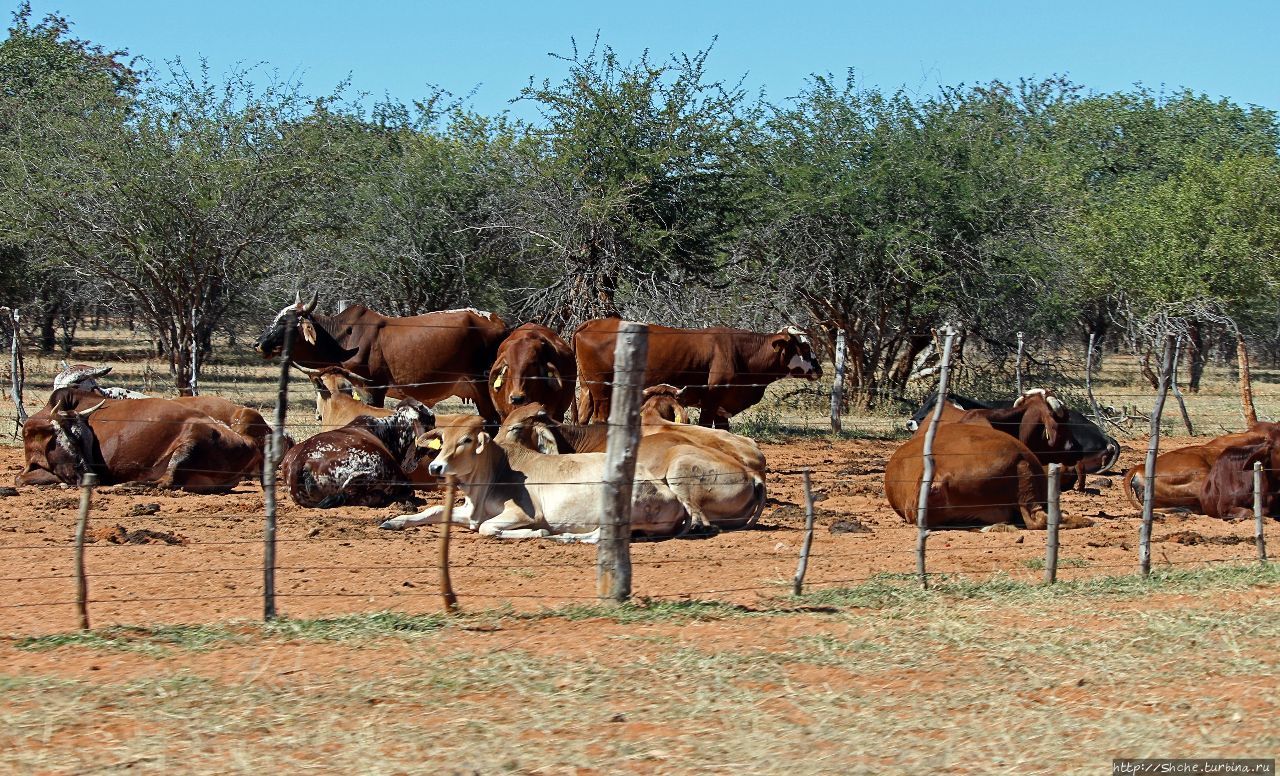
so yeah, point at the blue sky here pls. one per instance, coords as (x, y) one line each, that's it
(397, 48)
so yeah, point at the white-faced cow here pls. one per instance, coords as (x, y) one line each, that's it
(426, 357)
(722, 371)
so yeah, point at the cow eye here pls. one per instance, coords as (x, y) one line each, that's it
(465, 441)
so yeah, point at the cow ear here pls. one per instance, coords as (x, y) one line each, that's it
(779, 341)
(554, 374)
(429, 440)
(546, 441)
(482, 439)
(681, 415)
(308, 330)
(499, 376)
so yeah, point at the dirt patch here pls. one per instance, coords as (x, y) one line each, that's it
(1193, 538)
(118, 534)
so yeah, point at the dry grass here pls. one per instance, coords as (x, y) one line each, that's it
(964, 680)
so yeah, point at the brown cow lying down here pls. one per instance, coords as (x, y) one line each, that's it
(368, 462)
(1180, 474)
(724, 370)
(714, 487)
(982, 476)
(533, 366)
(1228, 489)
(516, 493)
(154, 441)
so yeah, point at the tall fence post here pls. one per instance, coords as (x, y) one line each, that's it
(798, 587)
(1017, 365)
(446, 584)
(613, 552)
(17, 370)
(1259, 538)
(837, 386)
(343, 304)
(82, 524)
(1051, 530)
(926, 479)
(1088, 382)
(269, 463)
(1153, 447)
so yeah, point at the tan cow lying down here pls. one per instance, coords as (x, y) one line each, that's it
(716, 489)
(516, 493)
(338, 397)
(1181, 473)
(982, 476)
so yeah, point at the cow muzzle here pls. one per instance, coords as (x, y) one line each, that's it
(436, 469)
(517, 399)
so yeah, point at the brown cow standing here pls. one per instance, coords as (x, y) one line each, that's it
(724, 371)
(153, 441)
(533, 365)
(426, 357)
(1228, 489)
(1180, 474)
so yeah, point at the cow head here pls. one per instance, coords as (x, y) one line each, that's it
(794, 354)
(531, 427)
(663, 401)
(458, 446)
(271, 342)
(410, 421)
(1041, 409)
(73, 452)
(524, 372)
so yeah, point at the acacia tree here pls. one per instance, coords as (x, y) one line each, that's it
(628, 178)
(183, 206)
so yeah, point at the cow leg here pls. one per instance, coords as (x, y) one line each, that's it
(429, 516)
(591, 537)
(484, 403)
(513, 523)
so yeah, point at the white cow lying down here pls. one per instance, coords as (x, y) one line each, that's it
(516, 493)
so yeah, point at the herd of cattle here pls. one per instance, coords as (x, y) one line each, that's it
(526, 470)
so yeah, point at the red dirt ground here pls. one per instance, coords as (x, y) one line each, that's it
(338, 561)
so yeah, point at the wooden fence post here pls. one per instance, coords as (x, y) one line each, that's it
(343, 304)
(1246, 382)
(87, 481)
(269, 463)
(1017, 365)
(807, 543)
(446, 585)
(1051, 530)
(1153, 447)
(926, 479)
(17, 370)
(613, 552)
(1259, 538)
(837, 386)
(1088, 382)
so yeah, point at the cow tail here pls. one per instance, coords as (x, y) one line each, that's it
(760, 498)
(1130, 491)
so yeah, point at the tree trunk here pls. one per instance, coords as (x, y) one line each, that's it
(1246, 383)
(1195, 356)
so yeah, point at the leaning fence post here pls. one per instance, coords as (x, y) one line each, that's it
(1017, 365)
(613, 552)
(82, 582)
(1051, 530)
(446, 585)
(269, 463)
(1259, 538)
(837, 387)
(1177, 392)
(1153, 446)
(1088, 381)
(807, 543)
(926, 478)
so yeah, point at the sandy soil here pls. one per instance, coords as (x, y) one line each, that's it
(338, 561)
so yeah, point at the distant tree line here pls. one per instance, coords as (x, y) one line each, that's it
(195, 204)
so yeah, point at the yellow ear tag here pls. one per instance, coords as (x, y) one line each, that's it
(497, 381)
(434, 444)
(356, 395)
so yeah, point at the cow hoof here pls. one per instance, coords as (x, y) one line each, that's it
(392, 525)
(1001, 528)
(702, 529)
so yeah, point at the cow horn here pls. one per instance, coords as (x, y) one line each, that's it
(305, 370)
(91, 410)
(315, 296)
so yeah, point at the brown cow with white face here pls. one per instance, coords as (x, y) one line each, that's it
(534, 365)
(723, 371)
(154, 441)
(425, 357)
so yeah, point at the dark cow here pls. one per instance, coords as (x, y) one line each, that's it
(1227, 491)
(533, 365)
(1181, 473)
(425, 357)
(369, 462)
(153, 441)
(982, 475)
(722, 371)
(1086, 448)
